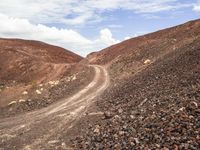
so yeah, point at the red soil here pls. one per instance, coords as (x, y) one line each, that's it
(25, 63)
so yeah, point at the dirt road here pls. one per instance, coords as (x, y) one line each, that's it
(41, 129)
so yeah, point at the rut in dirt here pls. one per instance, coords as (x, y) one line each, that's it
(40, 128)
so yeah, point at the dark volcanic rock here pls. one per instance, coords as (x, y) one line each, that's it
(155, 108)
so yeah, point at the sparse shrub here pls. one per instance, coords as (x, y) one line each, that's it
(33, 84)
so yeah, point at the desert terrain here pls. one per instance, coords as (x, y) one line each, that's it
(143, 93)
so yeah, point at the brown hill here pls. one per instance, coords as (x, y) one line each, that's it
(24, 60)
(154, 98)
(39, 50)
(25, 63)
(136, 53)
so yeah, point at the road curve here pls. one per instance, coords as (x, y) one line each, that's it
(40, 129)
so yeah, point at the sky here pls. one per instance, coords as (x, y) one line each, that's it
(84, 26)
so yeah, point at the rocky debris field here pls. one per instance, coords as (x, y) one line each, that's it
(45, 94)
(157, 108)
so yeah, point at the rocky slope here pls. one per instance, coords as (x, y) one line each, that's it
(154, 98)
(135, 54)
(153, 101)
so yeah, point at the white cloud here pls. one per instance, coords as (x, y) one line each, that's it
(106, 37)
(127, 38)
(21, 28)
(78, 11)
(197, 7)
(137, 34)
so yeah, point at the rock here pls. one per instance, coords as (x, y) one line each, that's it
(120, 110)
(147, 61)
(97, 130)
(100, 146)
(121, 132)
(53, 142)
(73, 78)
(64, 145)
(25, 93)
(38, 92)
(22, 100)
(27, 147)
(175, 147)
(136, 140)
(51, 82)
(56, 82)
(117, 117)
(165, 148)
(193, 105)
(108, 115)
(158, 145)
(13, 102)
(132, 117)
(181, 109)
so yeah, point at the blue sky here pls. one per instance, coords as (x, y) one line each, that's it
(83, 26)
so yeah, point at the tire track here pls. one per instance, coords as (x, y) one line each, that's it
(36, 129)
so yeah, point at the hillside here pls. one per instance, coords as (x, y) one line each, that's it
(154, 98)
(39, 50)
(134, 54)
(27, 66)
(20, 59)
